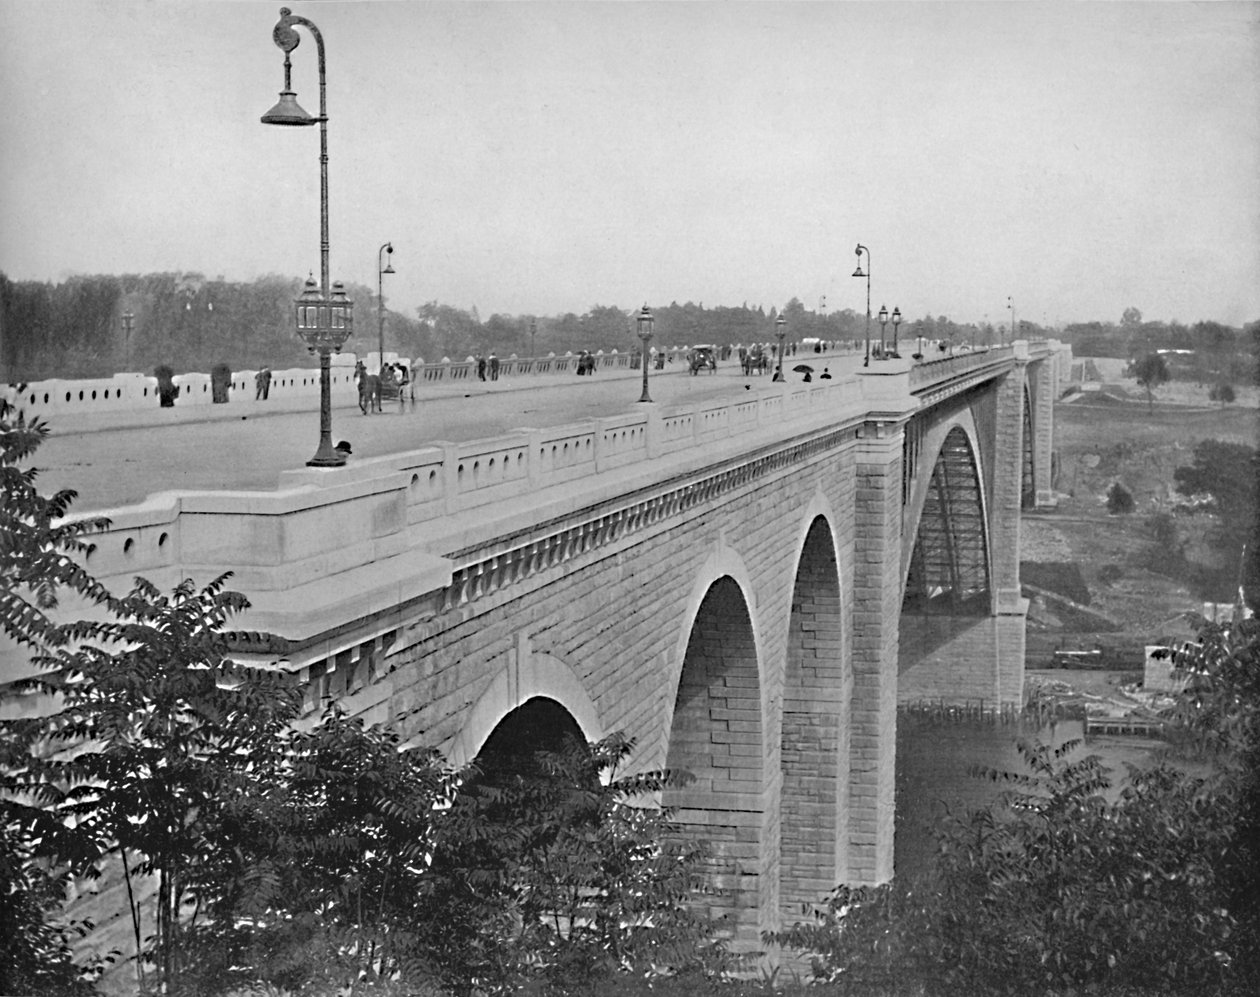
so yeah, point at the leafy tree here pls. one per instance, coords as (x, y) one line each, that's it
(1132, 318)
(1119, 500)
(1150, 372)
(1223, 393)
(1226, 473)
(550, 874)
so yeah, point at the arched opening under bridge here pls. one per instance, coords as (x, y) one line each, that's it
(716, 735)
(947, 585)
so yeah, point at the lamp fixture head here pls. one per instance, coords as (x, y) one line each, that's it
(883, 314)
(288, 111)
(896, 315)
(644, 322)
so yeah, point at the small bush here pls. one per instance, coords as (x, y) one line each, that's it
(1109, 574)
(1119, 500)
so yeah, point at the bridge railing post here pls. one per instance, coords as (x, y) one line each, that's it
(450, 475)
(533, 469)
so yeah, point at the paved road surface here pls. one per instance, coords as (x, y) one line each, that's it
(215, 447)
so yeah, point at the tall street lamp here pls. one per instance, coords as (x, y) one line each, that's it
(858, 273)
(780, 330)
(644, 322)
(896, 321)
(1010, 303)
(533, 330)
(380, 300)
(324, 314)
(883, 324)
(127, 319)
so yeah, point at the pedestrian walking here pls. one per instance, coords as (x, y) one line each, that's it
(481, 367)
(494, 367)
(262, 384)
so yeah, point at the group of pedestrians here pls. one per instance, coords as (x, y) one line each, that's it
(487, 365)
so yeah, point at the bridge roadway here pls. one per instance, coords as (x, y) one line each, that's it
(118, 458)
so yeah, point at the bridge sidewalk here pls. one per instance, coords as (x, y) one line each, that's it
(244, 406)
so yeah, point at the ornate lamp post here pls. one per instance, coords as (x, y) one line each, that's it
(324, 314)
(883, 324)
(380, 301)
(780, 330)
(533, 329)
(896, 321)
(1010, 303)
(644, 322)
(858, 273)
(127, 319)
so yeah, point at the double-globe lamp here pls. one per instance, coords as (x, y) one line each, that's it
(644, 322)
(324, 314)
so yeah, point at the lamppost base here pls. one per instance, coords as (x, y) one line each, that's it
(645, 398)
(318, 461)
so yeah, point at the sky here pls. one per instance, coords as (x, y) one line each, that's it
(1071, 160)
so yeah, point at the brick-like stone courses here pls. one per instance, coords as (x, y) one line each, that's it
(716, 735)
(1004, 522)
(815, 733)
(1043, 384)
(876, 610)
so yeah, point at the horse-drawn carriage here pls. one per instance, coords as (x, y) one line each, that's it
(392, 384)
(755, 360)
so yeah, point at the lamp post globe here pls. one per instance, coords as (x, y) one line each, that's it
(883, 324)
(643, 323)
(896, 321)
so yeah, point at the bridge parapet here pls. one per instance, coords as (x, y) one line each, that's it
(332, 546)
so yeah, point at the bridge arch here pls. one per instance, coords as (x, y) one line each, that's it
(527, 677)
(716, 732)
(947, 520)
(815, 729)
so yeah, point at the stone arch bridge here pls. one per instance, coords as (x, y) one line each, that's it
(747, 587)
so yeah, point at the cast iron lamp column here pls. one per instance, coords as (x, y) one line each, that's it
(324, 314)
(644, 322)
(1010, 303)
(896, 321)
(858, 273)
(883, 324)
(780, 331)
(127, 319)
(380, 301)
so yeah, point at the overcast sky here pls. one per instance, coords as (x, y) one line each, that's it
(545, 157)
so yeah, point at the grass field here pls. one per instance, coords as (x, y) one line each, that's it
(1137, 587)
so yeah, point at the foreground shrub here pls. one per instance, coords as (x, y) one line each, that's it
(1052, 889)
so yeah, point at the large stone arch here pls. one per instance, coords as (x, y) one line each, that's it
(815, 727)
(717, 733)
(528, 675)
(930, 450)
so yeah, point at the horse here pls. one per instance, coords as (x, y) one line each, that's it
(369, 389)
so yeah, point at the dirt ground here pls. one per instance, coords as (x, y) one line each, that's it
(1136, 591)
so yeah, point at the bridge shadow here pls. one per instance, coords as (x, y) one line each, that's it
(926, 626)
